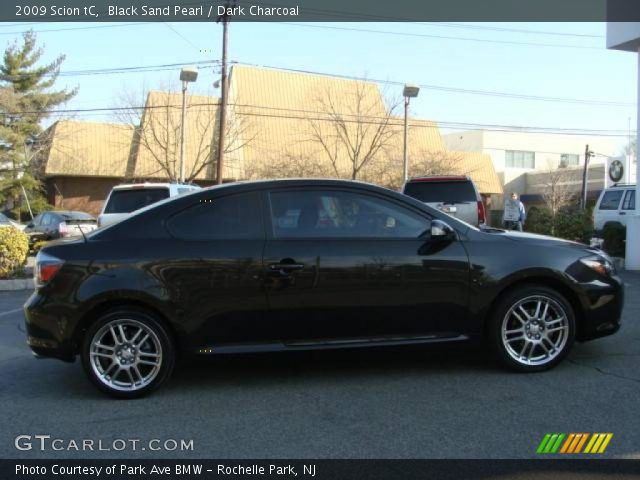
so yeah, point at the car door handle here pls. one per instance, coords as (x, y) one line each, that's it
(623, 213)
(286, 267)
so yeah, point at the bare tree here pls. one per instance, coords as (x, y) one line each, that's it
(557, 192)
(440, 162)
(388, 171)
(290, 166)
(352, 130)
(157, 133)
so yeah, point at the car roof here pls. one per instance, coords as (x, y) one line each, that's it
(68, 212)
(440, 178)
(622, 185)
(141, 186)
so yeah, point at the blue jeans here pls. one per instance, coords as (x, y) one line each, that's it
(513, 225)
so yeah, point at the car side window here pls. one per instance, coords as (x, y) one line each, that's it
(46, 220)
(611, 200)
(232, 217)
(36, 221)
(312, 214)
(629, 202)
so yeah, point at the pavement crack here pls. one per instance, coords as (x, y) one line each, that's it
(604, 372)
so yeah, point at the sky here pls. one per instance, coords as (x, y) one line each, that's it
(559, 60)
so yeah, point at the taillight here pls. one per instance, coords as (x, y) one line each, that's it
(482, 214)
(63, 229)
(46, 268)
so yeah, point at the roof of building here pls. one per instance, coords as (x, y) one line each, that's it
(279, 124)
(88, 149)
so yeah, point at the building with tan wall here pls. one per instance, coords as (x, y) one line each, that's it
(279, 124)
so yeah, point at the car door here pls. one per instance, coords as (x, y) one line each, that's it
(609, 207)
(31, 227)
(43, 229)
(628, 205)
(353, 266)
(214, 270)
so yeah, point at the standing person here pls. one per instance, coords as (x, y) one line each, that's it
(522, 212)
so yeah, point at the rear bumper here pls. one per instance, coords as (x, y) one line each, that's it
(602, 308)
(48, 334)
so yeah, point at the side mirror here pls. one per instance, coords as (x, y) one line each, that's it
(29, 225)
(442, 231)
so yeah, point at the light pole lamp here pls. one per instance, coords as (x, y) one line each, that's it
(187, 74)
(408, 92)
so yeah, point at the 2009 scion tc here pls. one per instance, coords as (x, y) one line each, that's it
(308, 264)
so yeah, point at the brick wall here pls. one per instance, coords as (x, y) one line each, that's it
(86, 194)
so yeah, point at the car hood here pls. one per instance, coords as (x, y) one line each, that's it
(535, 239)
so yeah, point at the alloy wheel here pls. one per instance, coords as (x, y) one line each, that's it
(125, 355)
(535, 330)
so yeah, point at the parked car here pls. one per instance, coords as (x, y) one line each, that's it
(59, 224)
(615, 204)
(308, 264)
(124, 199)
(455, 195)
(7, 222)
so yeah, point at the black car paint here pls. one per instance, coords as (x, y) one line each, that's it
(218, 296)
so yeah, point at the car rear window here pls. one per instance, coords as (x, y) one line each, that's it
(126, 201)
(77, 217)
(446, 192)
(611, 200)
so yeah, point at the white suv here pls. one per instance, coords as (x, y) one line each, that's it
(614, 205)
(124, 199)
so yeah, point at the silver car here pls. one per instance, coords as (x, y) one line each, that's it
(454, 195)
(127, 198)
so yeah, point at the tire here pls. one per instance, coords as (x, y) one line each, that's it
(127, 353)
(540, 318)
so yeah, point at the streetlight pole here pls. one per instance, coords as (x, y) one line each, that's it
(183, 127)
(409, 92)
(405, 153)
(189, 74)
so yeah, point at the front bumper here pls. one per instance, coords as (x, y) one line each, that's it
(602, 305)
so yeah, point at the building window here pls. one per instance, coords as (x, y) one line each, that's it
(567, 159)
(518, 159)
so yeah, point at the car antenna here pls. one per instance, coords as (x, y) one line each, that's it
(83, 235)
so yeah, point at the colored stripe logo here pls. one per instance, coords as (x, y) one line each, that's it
(573, 443)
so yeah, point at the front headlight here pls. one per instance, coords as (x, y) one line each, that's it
(601, 265)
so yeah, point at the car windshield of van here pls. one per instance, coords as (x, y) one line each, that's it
(126, 201)
(445, 192)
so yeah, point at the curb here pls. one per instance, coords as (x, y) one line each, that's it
(20, 284)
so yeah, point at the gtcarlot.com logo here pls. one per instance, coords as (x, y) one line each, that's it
(44, 443)
(573, 443)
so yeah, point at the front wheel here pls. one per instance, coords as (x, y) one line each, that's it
(532, 328)
(127, 353)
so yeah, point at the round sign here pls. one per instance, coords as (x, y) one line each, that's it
(616, 171)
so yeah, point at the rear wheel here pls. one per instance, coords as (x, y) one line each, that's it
(127, 353)
(532, 328)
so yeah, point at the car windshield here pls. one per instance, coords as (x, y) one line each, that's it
(4, 220)
(445, 192)
(128, 200)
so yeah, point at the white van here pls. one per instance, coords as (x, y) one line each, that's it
(124, 199)
(614, 205)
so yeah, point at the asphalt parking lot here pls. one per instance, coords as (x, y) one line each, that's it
(451, 402)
